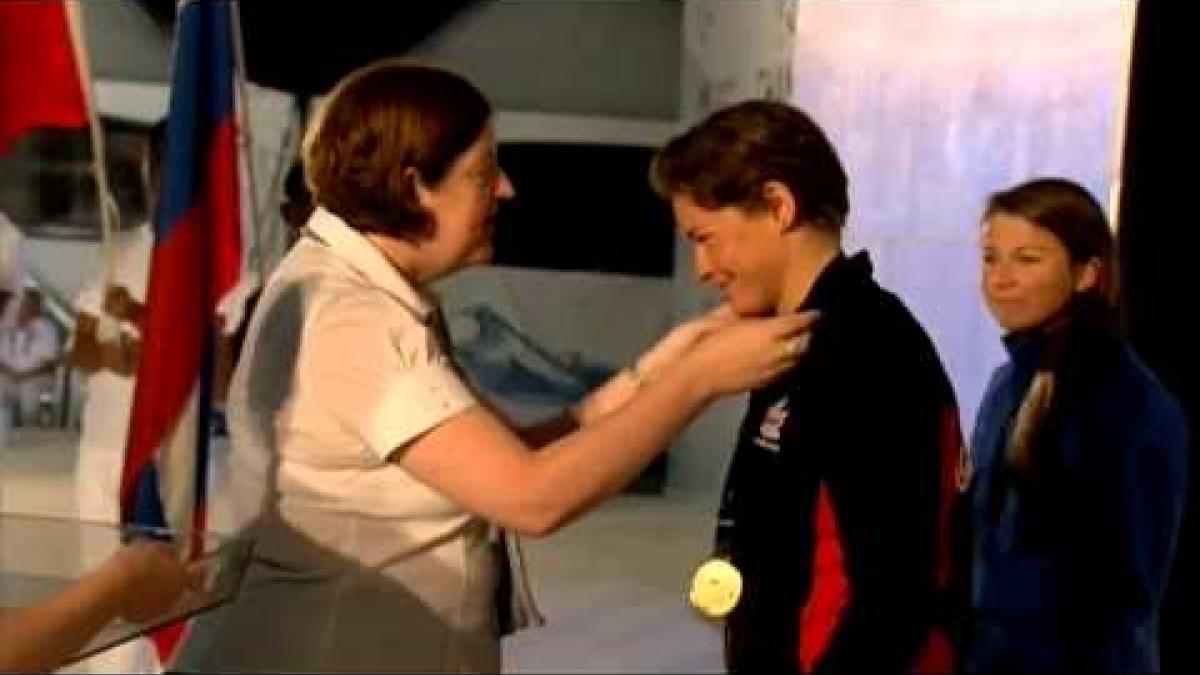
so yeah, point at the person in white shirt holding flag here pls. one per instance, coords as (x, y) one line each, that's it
(106, 348)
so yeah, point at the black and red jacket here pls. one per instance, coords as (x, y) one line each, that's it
(842, 496)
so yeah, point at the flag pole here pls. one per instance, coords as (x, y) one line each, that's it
(245, 139)
(109, 214)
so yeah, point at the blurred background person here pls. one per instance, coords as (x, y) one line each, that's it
(106, 349)
(13, 266)
(29, 354)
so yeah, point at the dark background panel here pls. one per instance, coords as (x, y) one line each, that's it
(583, 207)
(305, 47)
(1158, 246)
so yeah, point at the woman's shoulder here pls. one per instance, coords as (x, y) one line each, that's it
(1000, 380)
(364, 315)
(1141, 428)
(1139, 387)
(999, 388)
(339, 291)
(308, 306)
(1132, 413)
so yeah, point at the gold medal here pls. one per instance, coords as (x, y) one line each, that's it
(716, 588)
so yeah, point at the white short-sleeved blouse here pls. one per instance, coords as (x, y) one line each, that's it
(359, 566)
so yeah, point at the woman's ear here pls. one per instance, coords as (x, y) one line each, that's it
(1087, 275)
(780, 204)
(423, 193)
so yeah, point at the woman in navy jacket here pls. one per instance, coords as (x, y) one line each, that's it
(1080, 453)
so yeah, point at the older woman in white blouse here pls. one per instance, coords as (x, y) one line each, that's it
(369, 472)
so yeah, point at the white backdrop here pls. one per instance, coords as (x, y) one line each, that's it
(935, 105)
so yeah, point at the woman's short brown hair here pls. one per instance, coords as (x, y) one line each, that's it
(728, 158)
(380, 121)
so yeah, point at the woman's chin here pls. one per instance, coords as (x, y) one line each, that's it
(481, 256)
(747, 307)
(1016, 324)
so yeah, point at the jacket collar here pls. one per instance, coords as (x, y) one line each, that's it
(841, 273)
(352, 248)
(1082, 337)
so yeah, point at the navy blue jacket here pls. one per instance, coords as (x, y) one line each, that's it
(1069, 568)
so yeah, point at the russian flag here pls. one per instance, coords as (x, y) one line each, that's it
(196, 263)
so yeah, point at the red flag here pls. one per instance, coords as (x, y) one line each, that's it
(39, 80)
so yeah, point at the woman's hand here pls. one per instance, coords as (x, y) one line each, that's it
(119, 304)
(680, 339)
(748, 353)
(155, 580)
(622, 387)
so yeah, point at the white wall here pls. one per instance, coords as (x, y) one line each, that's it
(124, 43)
(595, 57)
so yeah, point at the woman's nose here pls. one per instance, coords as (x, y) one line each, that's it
(504, 187)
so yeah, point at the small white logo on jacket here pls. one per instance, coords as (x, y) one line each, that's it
(772, 426)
